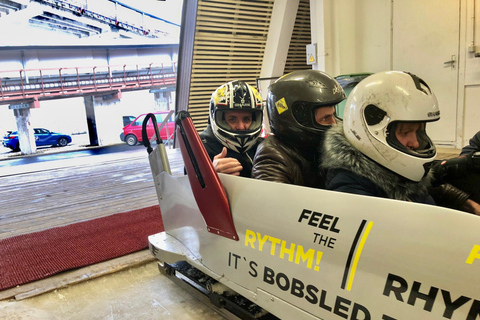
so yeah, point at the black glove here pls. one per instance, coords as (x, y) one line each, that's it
(456, 168)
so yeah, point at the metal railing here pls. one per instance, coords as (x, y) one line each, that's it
(74, 81)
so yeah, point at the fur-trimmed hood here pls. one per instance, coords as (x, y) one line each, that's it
(338, 153)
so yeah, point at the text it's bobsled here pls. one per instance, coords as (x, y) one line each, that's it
(304, 253)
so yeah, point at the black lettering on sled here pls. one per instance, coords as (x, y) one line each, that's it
(319, 220)
(400, 288)
(337, 305)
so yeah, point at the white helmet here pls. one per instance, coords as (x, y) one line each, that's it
(374, 108)
(234, 96)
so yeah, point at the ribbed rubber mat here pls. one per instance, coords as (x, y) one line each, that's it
(37, 255)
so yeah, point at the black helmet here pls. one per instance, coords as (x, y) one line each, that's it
(233, 96)
(291, 104)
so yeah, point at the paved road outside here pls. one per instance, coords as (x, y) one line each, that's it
(47, 158)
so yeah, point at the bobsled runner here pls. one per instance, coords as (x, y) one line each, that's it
(294, 252)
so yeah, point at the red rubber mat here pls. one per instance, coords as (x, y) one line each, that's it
(37, 255)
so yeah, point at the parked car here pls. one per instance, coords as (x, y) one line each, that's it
(43, 137)
(127, 120)
(133, 132)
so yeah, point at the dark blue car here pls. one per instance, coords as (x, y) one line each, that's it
(43, 137)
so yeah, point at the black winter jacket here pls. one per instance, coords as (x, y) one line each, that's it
(473, 146)
(214, 147)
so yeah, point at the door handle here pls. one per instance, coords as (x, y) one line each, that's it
(451, 63)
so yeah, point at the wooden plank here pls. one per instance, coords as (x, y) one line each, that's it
(228, 76)
(63, 196)
(213, 46)
(222, 50)
(265, 6)
(244, 66)
(201, 57)
(240, 22)
(219, 37)
(231, 12)
(255, 5)
(233, 29)
(229, 45)
(301, 36)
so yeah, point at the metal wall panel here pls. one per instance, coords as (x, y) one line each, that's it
(230, 38)
(301, 36)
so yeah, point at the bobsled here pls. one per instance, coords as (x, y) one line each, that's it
(302, 253)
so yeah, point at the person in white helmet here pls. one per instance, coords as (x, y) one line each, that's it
(383, 148)
(235, 124)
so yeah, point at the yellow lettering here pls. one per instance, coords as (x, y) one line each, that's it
(274, 242)
(284, 251)
(290, 251)
(319, 258)
(250, 238)
(474, 254)
(261, 241)
(305, 256)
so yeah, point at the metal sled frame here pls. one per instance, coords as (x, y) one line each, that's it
(304, 253)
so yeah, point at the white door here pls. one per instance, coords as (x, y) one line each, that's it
(425, 38)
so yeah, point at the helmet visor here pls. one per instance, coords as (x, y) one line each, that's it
(410, 138)
(314, 116)
(238, 120)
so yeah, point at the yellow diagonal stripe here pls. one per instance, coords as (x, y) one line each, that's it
(357, 255)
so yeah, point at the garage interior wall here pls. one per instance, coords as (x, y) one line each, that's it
(229, 44)
(301, 37)
(230, 38)
(355, 43)
(351, 41)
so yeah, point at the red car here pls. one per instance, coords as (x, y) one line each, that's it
(133, 131)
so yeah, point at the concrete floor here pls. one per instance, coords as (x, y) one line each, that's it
(136, 293)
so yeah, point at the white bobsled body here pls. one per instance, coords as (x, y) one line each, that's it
(306, 253)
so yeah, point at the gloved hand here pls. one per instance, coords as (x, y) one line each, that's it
(456, 168)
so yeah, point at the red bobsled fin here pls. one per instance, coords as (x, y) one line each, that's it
(207, 188)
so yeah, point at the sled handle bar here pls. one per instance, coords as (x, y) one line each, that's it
(162, 152)
(145, 140)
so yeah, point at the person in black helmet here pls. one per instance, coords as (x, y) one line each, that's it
(301, 107)
(235, 123)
